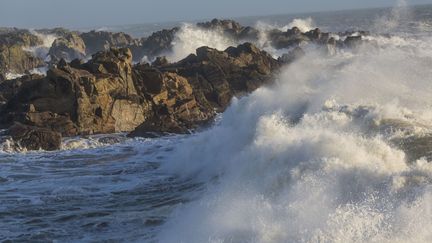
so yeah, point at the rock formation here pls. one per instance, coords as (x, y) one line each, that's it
(108, 93)
(69, 47)
(13, 55)
(34, 138)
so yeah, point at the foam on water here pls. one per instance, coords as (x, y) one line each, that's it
(317, 163)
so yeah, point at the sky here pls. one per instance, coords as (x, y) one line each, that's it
(91, 13)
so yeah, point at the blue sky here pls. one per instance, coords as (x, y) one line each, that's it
(89, 13)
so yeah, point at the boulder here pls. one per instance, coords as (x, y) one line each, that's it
(14, 59)
(69, 47)
(353, 41)
(156, 44)
(34, 138)
(96, 97)
(9, 88)
(288, 39)
(96, 41)
(232, 29)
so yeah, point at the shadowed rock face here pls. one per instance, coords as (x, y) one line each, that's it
(187, 93)
(231, 29)
(34, 138)
(97, 41)
(69, 47)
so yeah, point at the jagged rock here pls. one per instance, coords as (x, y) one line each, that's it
(175, 108)
(353, 41)
(218, 75)
(231, 28)
(9, 88)
(68, 47)
(96, 97)
(291, 38)
(14, 36)
(14, 59)
(13, 55)
(157, 43)
(59, 32)
(96, 41)
(185, 94)
(34, 138)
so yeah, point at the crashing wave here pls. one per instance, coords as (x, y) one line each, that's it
(336, 151)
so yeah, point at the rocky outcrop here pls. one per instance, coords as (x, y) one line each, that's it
(107, 94)
(156, 44)
(59, 32)
(69, 47)
(174, 106)
(96, 41)
(34, 138)
(97, 97)
(14, 36)
(187, 93)
(9, 88)
(232, 29)
(13, 55)
(14, 59)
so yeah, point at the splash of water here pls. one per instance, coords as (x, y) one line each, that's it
(317, 163)
(399, 14)
(190, 37)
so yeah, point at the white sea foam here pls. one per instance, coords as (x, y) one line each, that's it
(309, 160)
(303, 24)
(42, 50)
(191, 37)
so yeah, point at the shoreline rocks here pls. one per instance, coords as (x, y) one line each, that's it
(108, 93)
(34, 138)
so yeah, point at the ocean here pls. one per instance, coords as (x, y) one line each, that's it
(338, 149)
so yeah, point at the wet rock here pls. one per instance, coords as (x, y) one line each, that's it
(353, 41)
(14, 59)
(231, 28)
(289, 39)
(59, 32)
(13, 55)
(34, 138)
(14, 36)
(68, 47)
(160, 61)
(185, 94)
(156, 44)
(9, 88)
(96, 41)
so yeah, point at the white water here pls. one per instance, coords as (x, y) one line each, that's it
(41, 51)
(311, 160)
(190, 37)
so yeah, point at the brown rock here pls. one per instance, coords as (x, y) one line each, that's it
(34, 138)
